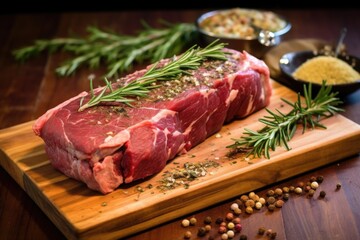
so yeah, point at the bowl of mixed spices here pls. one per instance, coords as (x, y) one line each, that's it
(252, 30)
(342, 72)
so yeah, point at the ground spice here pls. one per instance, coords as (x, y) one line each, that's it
(331, 69)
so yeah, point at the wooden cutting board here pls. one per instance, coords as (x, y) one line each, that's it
(84, 214)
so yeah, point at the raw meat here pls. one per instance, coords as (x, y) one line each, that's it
(108, 145)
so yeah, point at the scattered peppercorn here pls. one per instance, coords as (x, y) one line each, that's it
(193, 221)
(243, 237)
(286, 189)
(219, 220)
(237, 211)
(314, 185)
(261, 231)
(279, 203)
(311, 192)
(201, 231)
(207, 220)
(229, 216)
(222, 229)
(249, 210)
(236, 220)
(230, 225)
(224, 236)
(187, 235)
(286, 196)
(312, 179)
(185, 223)
(322, 194)
(338, 186)
(298, 190)
(270, 193)
(238, 227)
(230, 233)
(291, 189)
(320, 179)
(207, 228)
(269, 232)
(271, 207)
(278, 191)
(273, 235)
(271, 200)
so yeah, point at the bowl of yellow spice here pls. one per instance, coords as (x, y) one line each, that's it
(304, 67)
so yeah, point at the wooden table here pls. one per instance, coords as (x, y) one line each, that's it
(27, 91)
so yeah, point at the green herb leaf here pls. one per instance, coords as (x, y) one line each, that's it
(280, 128)
(118, 52)
(140, 87)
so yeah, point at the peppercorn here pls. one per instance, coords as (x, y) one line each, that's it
(193, 221)
(224, 236)
(243, 237)
(249, 210)
(207, 220)
(258, 205)
(236, 220)
(278, 191)
(338, 186)
(300, 184)
(311, 192)
(185, 223)
(270, 193)
(230, 233)
(271, 207)
(279, 203)
(230, 225)
(237, 211)
(320, 179)
(271, 200)
(250, 203)
(252, 195)
(307, 188)
(219, 220)
(261, 231)
(234, 206)
(286, 189)
(291, 189)
(298, 190)
(238, 227)
(322, 194)
(207, 228)
(244, 198)
(312, 179)
(222, 229)
(187, 235)
(314, 185)
(286, 196)
(201, 231)
(273, 235)
(262, 200)
(268, 232)
(229, 216)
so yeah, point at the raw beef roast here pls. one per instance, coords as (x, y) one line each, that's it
(105, 146)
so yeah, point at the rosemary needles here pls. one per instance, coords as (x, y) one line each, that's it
(177, 66)
(280, 128)
(118, 52)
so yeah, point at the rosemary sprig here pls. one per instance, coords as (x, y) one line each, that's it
(177, 66)
(118, 52)
(280, 128)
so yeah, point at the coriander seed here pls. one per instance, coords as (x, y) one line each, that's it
(298, 190)
(314, 185)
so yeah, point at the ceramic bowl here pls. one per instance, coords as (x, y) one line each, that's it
(289, 62)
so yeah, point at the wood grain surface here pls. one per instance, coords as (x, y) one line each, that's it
(27, 90)
(82, 213)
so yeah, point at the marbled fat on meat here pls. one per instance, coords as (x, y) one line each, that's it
(108, 145)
